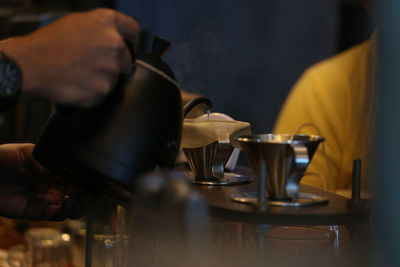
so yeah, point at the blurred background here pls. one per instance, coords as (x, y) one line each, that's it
(244, 55)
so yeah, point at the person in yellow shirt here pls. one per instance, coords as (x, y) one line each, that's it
(334, 99)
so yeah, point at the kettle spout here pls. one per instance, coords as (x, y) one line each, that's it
(193, 103)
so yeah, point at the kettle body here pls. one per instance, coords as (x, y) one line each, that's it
(107, 147)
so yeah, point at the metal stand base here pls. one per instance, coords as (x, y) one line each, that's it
(305, 199)
(230, 178)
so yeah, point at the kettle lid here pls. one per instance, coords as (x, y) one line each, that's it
(154, 62)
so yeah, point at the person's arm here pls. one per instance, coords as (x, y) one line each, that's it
(316, 105)
(29, 191)
(77, 59)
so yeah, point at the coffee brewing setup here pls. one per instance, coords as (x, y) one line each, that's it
(207, 148)
(139, 127)
(281, 161)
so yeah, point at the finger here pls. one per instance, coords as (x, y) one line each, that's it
(102, 83)
(25, 157)
(92, 101)
(125, 58)
(53, 196)
(78, 95)
(113, 62)
(45, 207)
(128, 27)
(39, 209)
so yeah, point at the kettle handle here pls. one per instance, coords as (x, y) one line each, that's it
(194, 102)
(301, 161)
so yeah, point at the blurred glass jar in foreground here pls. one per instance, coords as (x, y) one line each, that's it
(48, 247)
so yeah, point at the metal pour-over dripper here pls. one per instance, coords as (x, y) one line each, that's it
(201, 160)
(207, 161)
(286, 158)
(207, 164)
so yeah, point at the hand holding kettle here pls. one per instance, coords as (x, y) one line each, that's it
(77, 59)
(73, 61)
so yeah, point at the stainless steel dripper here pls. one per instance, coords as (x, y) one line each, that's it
(207, 162)
(201, 160)
(286, 158)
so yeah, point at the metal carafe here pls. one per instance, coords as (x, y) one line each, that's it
(136, 129)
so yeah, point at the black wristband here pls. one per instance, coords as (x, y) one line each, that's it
(10, 82)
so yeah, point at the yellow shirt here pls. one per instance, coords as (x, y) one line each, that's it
(333, 99)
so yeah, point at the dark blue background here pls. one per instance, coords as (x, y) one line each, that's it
(244, 55)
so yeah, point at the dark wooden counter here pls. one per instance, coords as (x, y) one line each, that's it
(336, 212)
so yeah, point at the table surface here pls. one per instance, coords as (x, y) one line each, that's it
(337, 212)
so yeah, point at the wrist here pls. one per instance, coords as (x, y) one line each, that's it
(10, 81)
(17, 49)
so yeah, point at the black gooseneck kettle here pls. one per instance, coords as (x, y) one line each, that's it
(137, 128)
